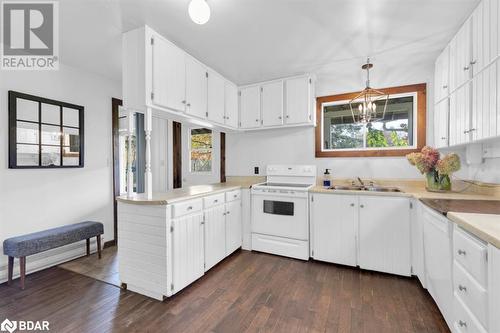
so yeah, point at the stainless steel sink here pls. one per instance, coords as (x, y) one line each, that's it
(364, 188)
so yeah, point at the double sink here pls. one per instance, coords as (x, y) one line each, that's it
(371, 188)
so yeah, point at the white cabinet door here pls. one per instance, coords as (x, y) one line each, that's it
(272, 103)
(216, 97)
(484, 104)
(231, 104)
(441, 113)
(384, 234)
(460, 106)
(480, 30)
(438, 261)
(233, 226)
(215, 235)
(250, 107)
(334, 220)
(187, 250)
(196, 88)
(460, 56)
(298, 100)
(441, 75)
(168, 74)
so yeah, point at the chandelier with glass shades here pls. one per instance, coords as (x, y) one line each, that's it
(363, 106)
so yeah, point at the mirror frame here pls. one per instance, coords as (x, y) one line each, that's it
(13, 96)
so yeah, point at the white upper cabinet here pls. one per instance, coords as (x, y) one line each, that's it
(168, 74)
(441, 123)
(216, 97)
(460, 56)
(196, 88)
(460, 108)
(231, 105)
(484, 104)
(298, 100)
(480, 28)
(250, 107)
(441, 76)
(384, 234)
(272, 103)
(282, 103)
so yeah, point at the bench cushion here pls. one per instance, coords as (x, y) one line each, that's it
(36, 242)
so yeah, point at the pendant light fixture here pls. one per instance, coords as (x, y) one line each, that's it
(364, 106)
(199, 11)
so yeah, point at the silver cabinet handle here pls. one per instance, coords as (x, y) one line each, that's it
(202, 222)
(224, 213)
(462, 288)
(462, 323)
(227, 213)
(472, 130)
(287, 116)
(466, 131)
(466, 68)
(183, 102)
(444, 87)
(257, 120)
(190, 208)
(188, 104)
(362, 206)
(473, 62)
(443, 138)
(461, 252)
(352, 205)
(280, 117)
(215, 201)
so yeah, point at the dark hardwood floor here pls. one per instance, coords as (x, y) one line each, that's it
(247, 292)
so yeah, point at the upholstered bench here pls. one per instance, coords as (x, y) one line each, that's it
(26, 245)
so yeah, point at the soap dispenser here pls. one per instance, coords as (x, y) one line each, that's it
(327, 181)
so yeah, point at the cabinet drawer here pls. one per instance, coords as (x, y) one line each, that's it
(471, 253)
(233, 195)
(187, 207)
(464, 321)
(470, 292)
(213, 200)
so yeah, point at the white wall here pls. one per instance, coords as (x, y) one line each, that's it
(296, 145)
(32, 200)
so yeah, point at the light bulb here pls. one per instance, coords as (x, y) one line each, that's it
(360, 108)
(199, 11)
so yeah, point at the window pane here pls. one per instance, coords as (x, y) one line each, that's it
(201, 150)
(340, 131)
(71, 137)
(50, 135)
(393, 129)
(71, 157)
(26, 132)
(26, 110)
(51, 114)
(51, 156)
(27, 155)
(71, 117)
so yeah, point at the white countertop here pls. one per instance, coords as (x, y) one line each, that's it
(484, 226)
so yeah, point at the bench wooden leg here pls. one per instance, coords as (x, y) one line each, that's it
(11, 269)
(88, 247)
(22, 268)
(99, 246)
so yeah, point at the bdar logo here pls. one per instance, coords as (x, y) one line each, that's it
(8, 326)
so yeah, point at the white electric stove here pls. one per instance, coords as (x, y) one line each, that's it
(280, 211)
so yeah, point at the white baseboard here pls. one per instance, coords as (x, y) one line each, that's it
(43, 260)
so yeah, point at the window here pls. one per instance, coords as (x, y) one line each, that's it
(201, 150)
(44, 133)
(401, 130)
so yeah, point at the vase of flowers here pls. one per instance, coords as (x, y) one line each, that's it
(437, 171)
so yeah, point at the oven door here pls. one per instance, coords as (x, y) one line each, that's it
(280, 215)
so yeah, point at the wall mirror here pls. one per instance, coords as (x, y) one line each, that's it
(44, 133)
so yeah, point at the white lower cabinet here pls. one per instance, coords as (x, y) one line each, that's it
(334, 228)
(370, 231)
(187, 250)
(384, 234)
(438, 261)
(215, 235)
(233, 226)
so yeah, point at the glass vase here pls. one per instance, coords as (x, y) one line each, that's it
(437, 183)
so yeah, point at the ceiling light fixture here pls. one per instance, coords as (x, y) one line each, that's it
(364, 105)
(199, 11)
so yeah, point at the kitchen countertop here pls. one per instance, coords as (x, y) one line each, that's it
(444, 206)
(179, 194)
(484, 226)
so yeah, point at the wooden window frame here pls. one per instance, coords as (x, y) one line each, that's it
(419, 89)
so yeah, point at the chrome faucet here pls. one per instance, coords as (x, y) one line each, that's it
(360, 181)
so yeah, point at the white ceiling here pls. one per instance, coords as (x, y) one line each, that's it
(255, 40)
